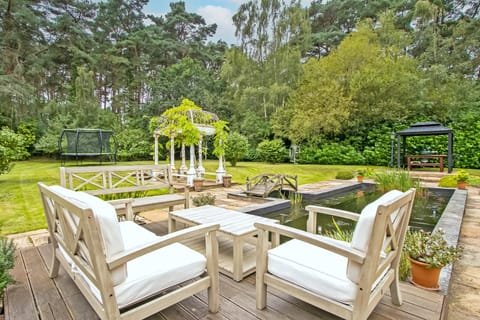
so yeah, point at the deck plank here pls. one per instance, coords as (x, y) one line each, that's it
(50, 304)
(237, 299)
(77, 305)
(18, 300)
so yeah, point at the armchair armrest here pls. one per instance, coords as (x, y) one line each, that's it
(314, 210)
(121, 203)
(184, 234)
(316, 240)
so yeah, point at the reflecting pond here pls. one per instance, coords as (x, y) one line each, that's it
(427, 208)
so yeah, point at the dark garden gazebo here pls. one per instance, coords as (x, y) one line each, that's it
(423, 129)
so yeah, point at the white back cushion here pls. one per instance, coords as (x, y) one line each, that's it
(364, 228)
(106, 219)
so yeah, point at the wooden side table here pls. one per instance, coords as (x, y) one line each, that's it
(236, 237)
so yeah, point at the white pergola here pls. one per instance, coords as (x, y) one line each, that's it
(203, 121)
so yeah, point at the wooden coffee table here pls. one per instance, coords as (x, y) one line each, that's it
(236, 237)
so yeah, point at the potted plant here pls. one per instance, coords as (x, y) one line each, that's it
(428, 253)
(462, 179)
(227, 180)
(360, 175)
(198, 184)
(203, 200)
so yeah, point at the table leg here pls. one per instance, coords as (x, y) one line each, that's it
(172, 224)
(275, 239)
(237, 258)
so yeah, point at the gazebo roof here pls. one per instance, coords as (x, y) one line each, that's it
(424, 128)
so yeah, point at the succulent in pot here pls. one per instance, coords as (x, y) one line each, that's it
(428, 253)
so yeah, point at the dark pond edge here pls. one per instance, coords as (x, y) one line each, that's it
(262, 205)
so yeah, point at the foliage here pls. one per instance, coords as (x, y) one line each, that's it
(220, 138)
(272, 151)
(403, 267)
(462, 176)
(430, 248)
(7, 261)
(449, 181)
(330, 153)
(398, 179)
(12, 147)
(28, 130)
(179, 123)
(236, 147)
(339, 233)
(133, 144)
(204, 199)
(344, 175)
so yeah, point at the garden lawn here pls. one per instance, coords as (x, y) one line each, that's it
(21, 207)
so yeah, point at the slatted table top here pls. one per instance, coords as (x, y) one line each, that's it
(231, 222)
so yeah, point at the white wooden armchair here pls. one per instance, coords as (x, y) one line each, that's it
(122, 269)
(346, 279)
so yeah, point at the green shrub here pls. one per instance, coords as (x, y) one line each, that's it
(134, 144)
(344, 175)
(203, 200)
(272, 151)
(12, 147)
(236, 148)
(331, 153)
(449, 181)
(7, 260)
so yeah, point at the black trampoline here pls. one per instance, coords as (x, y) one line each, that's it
(87, 143)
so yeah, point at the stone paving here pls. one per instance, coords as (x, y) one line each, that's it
(464, 292)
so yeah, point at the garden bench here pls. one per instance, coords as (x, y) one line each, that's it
(123, 270)
(123, 181)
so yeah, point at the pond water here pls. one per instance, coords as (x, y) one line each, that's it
(426, 212)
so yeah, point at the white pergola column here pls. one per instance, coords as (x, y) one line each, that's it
(172, 152)
(191, 173)
(183, 167)
(221, 170)
(200, 168)
(156, 133)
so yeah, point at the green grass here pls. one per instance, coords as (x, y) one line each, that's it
(21, 208)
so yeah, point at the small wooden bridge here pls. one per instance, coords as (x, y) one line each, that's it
(264, 184)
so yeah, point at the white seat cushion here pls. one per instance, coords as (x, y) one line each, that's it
(364, 228)
(318, 270)
(150, 274)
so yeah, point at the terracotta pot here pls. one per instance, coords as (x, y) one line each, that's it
(360, 178)
(227, 181)
(197, 184)
(423, 276)
(462, 185)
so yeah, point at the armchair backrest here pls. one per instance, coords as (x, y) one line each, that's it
(86, 229)
(380, 233)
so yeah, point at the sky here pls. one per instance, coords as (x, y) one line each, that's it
(213, 11)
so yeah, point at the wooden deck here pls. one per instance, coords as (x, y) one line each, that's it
(36, 296)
